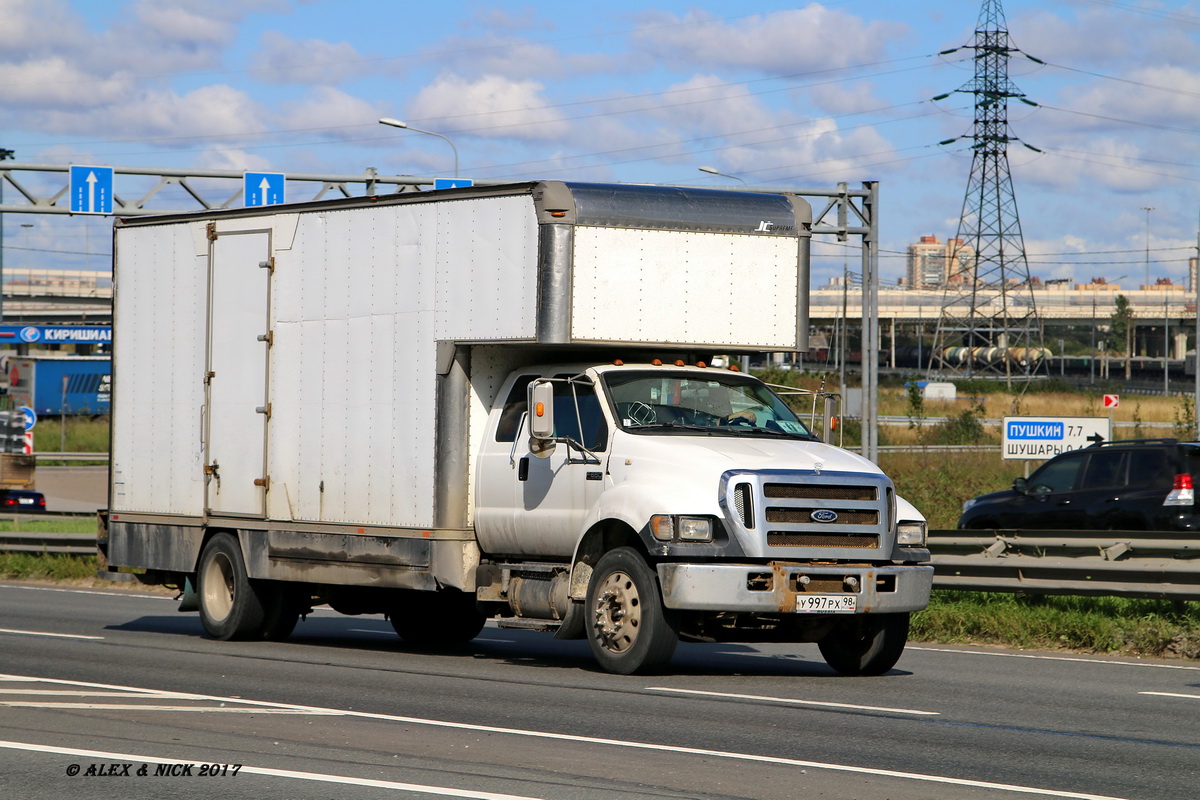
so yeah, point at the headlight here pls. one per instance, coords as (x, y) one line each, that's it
(968, 503)
(695, 529)
(911, 534)
(667, 528)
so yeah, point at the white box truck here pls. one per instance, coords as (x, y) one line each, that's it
(493, 402)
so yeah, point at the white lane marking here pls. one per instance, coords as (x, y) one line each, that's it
(136, 707)
(1074, 659)
(274, 773)
(44, 633)
(58, 693)
(1173, 694)
(114, 593)
(793, 701)
(632, 745)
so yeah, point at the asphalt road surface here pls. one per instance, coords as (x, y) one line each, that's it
(75, 489)
(116, 683)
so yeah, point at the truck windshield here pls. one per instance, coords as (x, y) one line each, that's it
(723, 403)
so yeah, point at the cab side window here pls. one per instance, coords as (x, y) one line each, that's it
(588, 427)
(516, 405)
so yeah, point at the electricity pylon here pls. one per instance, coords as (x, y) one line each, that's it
(989, 324)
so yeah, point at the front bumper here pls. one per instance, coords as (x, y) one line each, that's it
(775, 587)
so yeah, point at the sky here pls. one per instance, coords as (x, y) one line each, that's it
(788, 95)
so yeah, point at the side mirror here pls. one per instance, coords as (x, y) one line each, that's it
(832, 423)
(541, 418)
(1020, 486)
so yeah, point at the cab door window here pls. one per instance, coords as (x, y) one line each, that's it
(582, 421)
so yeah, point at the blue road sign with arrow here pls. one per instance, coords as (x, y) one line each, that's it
(263, 188)
(91, 190)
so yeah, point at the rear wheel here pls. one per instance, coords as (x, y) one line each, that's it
(230, 608)
(629, 630)
(281, 610)
(868, 644)
(447, 617)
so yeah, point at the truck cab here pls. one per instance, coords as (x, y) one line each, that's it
(746, 523)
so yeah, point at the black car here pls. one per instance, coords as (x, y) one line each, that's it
(21, 500)
(1137, 484)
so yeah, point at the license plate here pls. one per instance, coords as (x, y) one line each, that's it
(827, 603)
(25, 501)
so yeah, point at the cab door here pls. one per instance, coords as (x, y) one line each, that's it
(538, 506)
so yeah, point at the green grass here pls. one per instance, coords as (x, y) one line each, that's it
(52, 567)
(1127, 626)
(938, 483)
(82, 434)
(81, 524)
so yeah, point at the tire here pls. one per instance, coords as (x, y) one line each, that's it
(448, 617)
(628, 628)
(869, 644)
(230, 607)
(281, 609)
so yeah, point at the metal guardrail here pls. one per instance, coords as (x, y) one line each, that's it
(78, 544)
(1155, 564)
(100, 458)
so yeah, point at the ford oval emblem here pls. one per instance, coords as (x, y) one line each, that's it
(823, 515)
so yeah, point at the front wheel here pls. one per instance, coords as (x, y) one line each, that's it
(869, 644)
(629, 629)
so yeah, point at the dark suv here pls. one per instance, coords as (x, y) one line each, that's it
(1136, 484)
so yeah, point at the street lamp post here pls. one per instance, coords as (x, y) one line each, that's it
(715, 171)
(1147, 209)
(395, 123)
(4, 156)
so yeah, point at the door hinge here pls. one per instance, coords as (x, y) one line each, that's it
(211, 229)
(208, 376)
(265, 483)
(264, 410)
(268, 337)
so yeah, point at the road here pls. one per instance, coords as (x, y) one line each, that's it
(112, 680)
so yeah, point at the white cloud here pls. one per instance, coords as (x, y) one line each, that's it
(327, 108)
(55, 82)
(491, 106)
(281, 59)
(783, 43)
(38, 27)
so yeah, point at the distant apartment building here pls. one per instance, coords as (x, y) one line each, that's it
(932, 263)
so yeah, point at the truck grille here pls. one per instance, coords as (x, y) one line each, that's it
(784, 505)
(804, 491)
(778, 539)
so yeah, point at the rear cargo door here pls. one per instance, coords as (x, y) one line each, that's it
(238, 348)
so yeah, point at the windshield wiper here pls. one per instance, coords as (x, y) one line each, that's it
(770, 432)
(672, 426)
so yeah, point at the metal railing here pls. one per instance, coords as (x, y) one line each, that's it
(76, 544)
(1155, 564)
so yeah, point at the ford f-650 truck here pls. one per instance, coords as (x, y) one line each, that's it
(493, 402)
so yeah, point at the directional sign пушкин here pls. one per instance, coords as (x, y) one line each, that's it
(1039, 438)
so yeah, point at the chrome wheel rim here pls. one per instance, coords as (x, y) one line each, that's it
(617, 613)
(217, 587)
